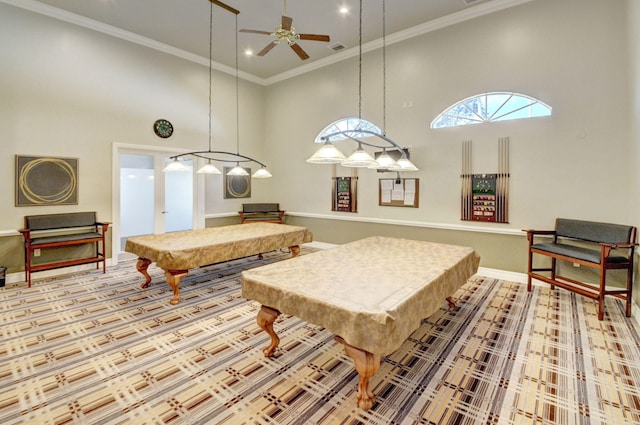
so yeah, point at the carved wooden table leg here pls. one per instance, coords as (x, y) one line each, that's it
(451, 301)
(367, 365)
(173, 279)
(142, 265)
(265, 319)
(295, 250)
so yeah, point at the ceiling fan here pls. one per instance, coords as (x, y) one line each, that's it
(286, 33)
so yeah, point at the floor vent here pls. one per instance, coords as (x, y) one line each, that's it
(336, 47)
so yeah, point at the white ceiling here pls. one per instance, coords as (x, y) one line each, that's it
(182, 26)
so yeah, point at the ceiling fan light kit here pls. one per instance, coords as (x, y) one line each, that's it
(286, 33)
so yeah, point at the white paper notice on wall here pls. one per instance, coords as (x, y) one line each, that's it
(409, 192)
(398, 192)
(386, 187)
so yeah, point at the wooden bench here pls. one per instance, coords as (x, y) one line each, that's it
(48, 231)
(600, 246)
(268, 212)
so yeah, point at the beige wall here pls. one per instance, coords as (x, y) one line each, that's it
(69, 91)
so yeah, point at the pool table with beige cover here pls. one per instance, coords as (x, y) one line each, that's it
(178, 252)
(372, 293)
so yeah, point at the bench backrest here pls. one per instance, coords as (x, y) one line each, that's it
(594, 232)
(59, 221)
(260, 208)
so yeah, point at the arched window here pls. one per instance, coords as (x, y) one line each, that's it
(490, 107)
(351, 123)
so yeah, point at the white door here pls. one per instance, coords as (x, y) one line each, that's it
(152, 201)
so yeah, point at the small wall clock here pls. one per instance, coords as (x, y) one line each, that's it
(163, 128)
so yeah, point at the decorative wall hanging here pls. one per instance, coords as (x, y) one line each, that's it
(46, 181)
(345, 194)
(398, 192)
(237, 186)
(485, 197)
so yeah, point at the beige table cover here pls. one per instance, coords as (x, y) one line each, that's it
(373, 292)
(194, 248)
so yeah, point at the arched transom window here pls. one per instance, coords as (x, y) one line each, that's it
(351, 123)
(490, 107)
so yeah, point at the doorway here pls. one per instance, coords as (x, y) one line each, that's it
(149, 201)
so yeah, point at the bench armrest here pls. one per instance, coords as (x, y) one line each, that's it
(104, 225)
(532, 233)
(622, 245)
(26, 234)
(539, 232)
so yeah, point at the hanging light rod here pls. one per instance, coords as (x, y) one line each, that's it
(209, 168)
(221, 156)
(329, 154)
(348, 134)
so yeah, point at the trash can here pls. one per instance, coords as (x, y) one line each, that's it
(3, 273)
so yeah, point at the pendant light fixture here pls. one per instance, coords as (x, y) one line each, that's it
(329, 154)
(220, 156)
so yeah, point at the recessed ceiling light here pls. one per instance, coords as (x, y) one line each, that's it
(248, 52)
(344, 10)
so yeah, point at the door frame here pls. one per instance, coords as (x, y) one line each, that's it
(117, 149)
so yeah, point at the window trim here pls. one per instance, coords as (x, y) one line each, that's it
(495, 116)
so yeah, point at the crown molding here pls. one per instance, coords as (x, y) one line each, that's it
(72, 18)
(427, 27)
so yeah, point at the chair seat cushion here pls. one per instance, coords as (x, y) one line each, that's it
(64, 238)
(578, 252)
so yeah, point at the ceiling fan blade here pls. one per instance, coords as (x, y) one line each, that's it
(314, 37)
(266, 49)
(256, 31)
(286, 22)
(296, 48)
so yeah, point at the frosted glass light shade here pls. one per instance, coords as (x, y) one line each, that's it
(262, 173)
(403, 164)
(384, 161)
(359, 159)
(209, 168)
(237, 171)
(327, 154)
(175, 165)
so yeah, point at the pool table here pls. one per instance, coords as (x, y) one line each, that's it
(178, 252)
(372, 293)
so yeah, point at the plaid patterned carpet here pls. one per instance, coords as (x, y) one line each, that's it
(90, 348)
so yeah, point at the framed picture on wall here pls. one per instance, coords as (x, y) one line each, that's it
(46, 180)
(237, 186)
